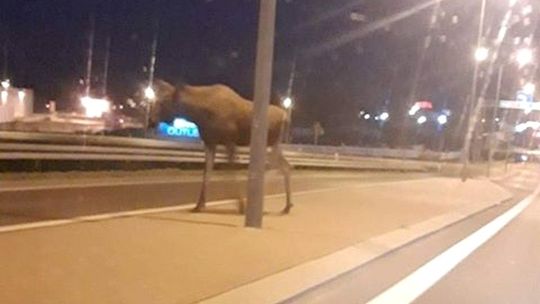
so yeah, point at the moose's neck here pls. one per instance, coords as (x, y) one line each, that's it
(193, 104)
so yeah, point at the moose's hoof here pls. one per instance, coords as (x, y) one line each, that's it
(197, 209)
(287, 210)
(241, 206)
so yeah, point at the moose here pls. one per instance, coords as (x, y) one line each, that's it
(223, 117)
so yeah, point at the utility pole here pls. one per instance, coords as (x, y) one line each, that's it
(5, 72)
(153, 54)
(259, 125)
(88, 79)
(151, 72)
(465, 153)
(289, 95)
(493, 128)
(106, 65)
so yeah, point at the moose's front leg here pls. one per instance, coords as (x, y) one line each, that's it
(210, 153)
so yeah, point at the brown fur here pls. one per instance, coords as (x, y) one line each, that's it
(223, 118)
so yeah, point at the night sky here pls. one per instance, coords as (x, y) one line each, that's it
(205, 41)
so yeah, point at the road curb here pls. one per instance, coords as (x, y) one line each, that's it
(293, 282)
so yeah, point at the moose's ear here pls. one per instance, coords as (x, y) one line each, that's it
(164, 89)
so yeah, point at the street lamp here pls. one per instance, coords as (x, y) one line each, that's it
(22, 95)
(442, 119)
(529, 88)
(384, 116)
(150, 96)
(4, 96)
(527, 10)
(6, 84)
(287, 103)
(149, 93)
(95, 107)
(524, 56)
(421, 120)
(415, 108)
(481, 54)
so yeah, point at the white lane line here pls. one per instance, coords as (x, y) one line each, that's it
(105, 216)
(418, 282)
(113, 215)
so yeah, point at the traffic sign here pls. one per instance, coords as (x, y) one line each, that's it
(524, 96)
(520, 105)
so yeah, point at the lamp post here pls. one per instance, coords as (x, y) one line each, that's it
(150, 97)
(288, 102)
(523, 57)
(419, 121)
(442, 120)
(481, 54)
(149, 93)
(259, 128)
(491, 143)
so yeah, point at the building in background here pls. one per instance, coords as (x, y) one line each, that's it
(15, 103)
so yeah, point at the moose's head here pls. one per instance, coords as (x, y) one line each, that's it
(161, 101)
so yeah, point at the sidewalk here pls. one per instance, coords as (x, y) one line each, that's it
(179, 257)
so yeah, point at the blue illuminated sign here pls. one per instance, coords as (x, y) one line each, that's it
(179, 128)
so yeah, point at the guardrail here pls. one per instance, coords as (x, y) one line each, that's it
(41, 146)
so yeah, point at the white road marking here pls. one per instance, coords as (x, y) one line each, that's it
(105, 216)
(113, 215)
(418, 282)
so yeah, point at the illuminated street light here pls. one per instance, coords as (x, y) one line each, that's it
(22, 95)
(4, 96)
(287, 102)
(527, 10)
(415, 108)
(367, 116)
(384, 116)
(529, 88)
(442, 119)
(421, 120)
(481, 54)
(95, 107)
(6, 84)
(149, 93)
(524, 56)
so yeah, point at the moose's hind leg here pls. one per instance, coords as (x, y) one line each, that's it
(238, 184)
(281, 163)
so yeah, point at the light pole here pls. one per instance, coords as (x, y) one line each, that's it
(259, 126)
(481, 54)
(442, 120)
(419, 121)
(88, 78)
(288, 102)
(149, 97)
(523, 57)
(106, 65)
(149, 93)
(493, 121)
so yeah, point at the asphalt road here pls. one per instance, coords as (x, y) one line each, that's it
(506, 269)
(41, 200)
